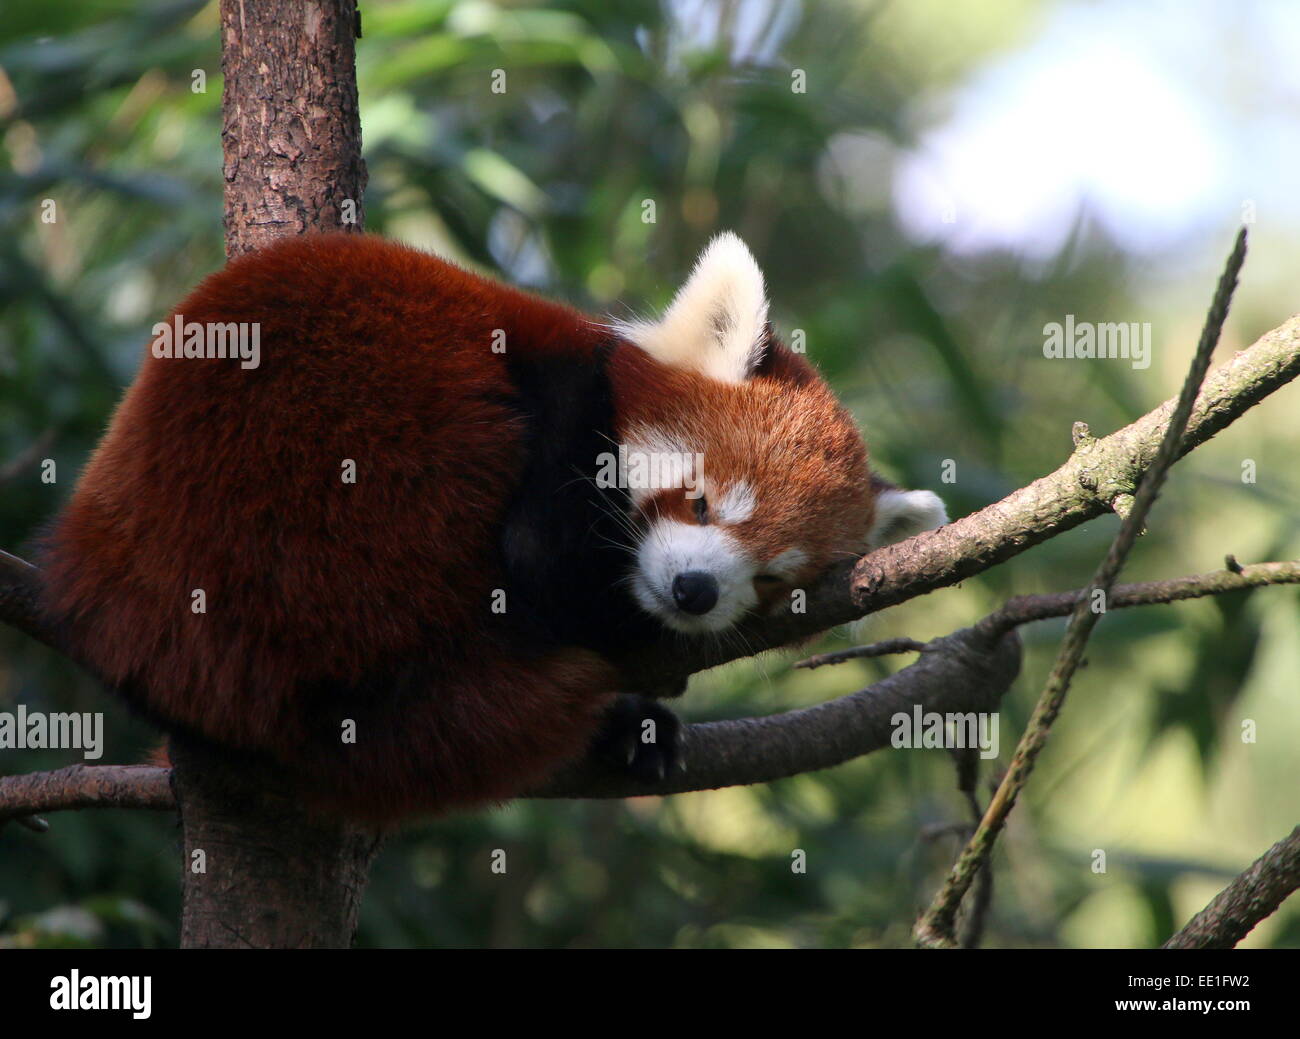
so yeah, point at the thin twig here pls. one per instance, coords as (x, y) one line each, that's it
(1025, 608)
(935, 928)
(883, 648)
(28, 457)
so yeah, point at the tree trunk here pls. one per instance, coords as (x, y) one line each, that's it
(259, 872)
(291, 131)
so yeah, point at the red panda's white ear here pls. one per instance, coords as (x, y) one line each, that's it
(716, 323)
(901, 514)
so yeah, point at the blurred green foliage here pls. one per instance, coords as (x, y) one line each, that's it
(689, 107)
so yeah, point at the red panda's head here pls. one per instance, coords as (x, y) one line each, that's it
(747, 477)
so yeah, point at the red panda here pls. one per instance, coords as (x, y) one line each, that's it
(398, 548)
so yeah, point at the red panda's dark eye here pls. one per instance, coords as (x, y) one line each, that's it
(767, 578)
(701, 510)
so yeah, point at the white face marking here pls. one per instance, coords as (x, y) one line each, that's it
(664, 458)
(649, 438)
(736, 505)
(671, 548)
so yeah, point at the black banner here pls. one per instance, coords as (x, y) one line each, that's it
(336, 989)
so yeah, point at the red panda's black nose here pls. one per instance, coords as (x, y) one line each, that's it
(695, 592)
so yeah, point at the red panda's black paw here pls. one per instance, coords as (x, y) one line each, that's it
(640, 737)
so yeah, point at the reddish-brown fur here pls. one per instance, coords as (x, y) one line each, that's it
(229, 480)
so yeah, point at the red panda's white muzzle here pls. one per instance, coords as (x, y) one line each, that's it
(693, 578)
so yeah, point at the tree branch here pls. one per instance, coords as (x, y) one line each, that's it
(20, 585)
(968, 670)
(85, 786)
(1251, 897)
(752, 750)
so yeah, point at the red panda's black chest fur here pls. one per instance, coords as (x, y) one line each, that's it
(565, 541)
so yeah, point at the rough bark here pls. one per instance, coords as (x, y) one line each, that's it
(258, 872)
(291, 131)
(1252, 896)
(84, 786)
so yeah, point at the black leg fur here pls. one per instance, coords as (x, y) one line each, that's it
(648, 752)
